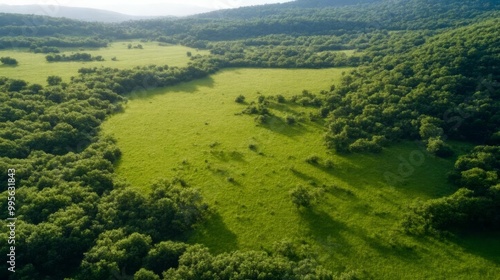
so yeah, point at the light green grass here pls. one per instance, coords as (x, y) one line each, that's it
(35, 69)
(191, 131)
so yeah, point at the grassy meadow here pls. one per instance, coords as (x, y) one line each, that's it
(34, 68)
(194, 131)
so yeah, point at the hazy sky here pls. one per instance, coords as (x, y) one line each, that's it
(148, 7)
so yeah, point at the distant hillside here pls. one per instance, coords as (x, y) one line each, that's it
(273, 9)
(83, 14)
(325, 3)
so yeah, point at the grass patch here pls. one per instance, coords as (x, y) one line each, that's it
(34, 68)
(194, 131)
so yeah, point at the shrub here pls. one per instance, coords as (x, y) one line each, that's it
(314, 159)
(364, 145)
(290, 120)
(329, 164)
(240, 99)
(8, 60)
(250, 110)
(262, 119)
(301, 196)
(438, 147)
(261, 99)
(280, 98)
(54, 80)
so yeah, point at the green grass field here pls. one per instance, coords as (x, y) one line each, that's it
(35, 69)
(193, 131)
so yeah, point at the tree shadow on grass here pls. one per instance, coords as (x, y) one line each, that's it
(149, 91)
(388, 245)
(326, 231)
(284, 108)
(228, 156)
(403, 166)
(483, 244)
(304, 176)
(331, 234)
(214, 234)
(278, 125)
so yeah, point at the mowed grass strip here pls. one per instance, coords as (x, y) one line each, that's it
(34, 68)
(245, 171)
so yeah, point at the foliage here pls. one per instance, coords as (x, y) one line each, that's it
(54, 80)
(474, 205)
(8, 60)
(198, 263)
(73, 57)
(432, 96)
(240, 99)
(301, 196)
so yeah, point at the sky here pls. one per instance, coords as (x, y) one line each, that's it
(148, 7)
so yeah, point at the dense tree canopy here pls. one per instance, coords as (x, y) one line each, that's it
(444, 87)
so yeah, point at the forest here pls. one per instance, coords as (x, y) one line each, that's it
(423, 71)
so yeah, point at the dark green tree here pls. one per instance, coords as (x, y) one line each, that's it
(54, 80)
(301, 197)
(8, 60)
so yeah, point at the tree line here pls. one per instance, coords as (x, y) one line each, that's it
(73, 57)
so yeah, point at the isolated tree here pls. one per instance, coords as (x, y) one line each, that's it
(8, 60)
(301, 196)
(240, 99)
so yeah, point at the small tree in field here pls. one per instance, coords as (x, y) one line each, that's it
(8, 60)
(240, 99)
(301, 197)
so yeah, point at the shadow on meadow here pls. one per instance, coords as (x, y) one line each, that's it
(191, 86)
(221, 155)
(326, 231)
(280, 126)
(286, 108)
(402, 166)
(484, 244)
(336, 237)
(214, 232)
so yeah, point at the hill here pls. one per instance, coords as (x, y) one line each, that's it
(325, 3)
(83, 14)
